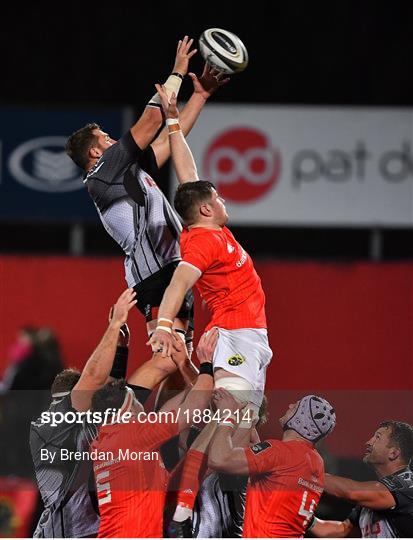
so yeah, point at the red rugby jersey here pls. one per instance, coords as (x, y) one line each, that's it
(287, 480)
(229, 283)
(131, 492)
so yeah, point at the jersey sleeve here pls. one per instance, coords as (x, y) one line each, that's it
(264, 456)
(401, 489)
(199, 251)
(147, 162)
(154, 434)
(354, 516)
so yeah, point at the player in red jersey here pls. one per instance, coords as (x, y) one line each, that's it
(224, 274)
(131, 479)
(287, 477)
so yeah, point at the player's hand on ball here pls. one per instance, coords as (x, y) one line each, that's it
(183, 55)
(210, 80)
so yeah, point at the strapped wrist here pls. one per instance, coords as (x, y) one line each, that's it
(164, 328)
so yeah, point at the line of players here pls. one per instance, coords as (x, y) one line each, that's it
(209, 492)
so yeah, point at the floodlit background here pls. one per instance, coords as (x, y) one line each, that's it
(312, 149)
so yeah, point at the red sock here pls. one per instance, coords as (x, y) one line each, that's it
(194, 469)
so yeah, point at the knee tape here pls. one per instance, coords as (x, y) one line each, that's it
(239, 387)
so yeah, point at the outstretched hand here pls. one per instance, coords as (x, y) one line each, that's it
(125, 302)
(209, 82)
(183, 55)
(170, 109)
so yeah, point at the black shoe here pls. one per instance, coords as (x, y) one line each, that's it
(180, 529)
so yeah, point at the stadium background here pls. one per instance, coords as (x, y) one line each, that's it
(339, 294)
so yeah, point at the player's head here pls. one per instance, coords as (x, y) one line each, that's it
(87, 144)
(312, 417)
(392, 442)
(199, 202)
(65, 381)
(116, 395)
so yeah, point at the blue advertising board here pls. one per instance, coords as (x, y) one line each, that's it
(38, 181)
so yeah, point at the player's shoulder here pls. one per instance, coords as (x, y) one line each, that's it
(399, 481)
(202, 235)
(267, 446)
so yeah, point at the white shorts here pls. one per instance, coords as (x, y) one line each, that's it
(246, 353)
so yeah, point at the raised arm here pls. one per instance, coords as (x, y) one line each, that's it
(98, 367)
(182, 280)
(204, 87)
(145, 129)
(223, 456)
(182, 158)
(372, 494)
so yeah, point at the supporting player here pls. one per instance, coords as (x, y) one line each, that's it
(385, 507)
(287, 476)
(64, 485)
(132, 492)
(224, 274)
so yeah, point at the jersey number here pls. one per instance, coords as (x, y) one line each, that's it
(103, 489)
(307, 514)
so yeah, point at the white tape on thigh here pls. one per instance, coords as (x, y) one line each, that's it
(238, 386)
(249, 419)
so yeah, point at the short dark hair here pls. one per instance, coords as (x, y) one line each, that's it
(65, 381)
(401, 437)
(111, 396)
(189, 195)
(79, 143)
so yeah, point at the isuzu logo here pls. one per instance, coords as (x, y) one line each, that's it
(42, 164)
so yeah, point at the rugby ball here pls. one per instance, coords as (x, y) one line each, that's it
(223, 50)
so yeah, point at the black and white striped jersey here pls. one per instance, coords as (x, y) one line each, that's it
(133, 210)
(66, 485)
(220, 507)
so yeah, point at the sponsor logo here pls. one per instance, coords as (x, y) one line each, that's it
(242, 164)
(242, 260)
(236, 360)
(42, 164)
(230, 248)
(260, 447)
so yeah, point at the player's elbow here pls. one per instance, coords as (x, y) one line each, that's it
(152, 117)
(96, 375)
(216, 462)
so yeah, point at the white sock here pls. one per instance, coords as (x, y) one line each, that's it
(182, 513)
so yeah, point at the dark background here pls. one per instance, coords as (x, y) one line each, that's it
(323, 53)
(341, 53)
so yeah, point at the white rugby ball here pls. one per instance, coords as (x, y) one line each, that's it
(223, 50)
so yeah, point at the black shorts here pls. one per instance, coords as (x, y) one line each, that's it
(150, 291)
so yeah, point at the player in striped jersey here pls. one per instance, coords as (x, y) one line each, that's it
(120, 178)
(65, 487)
(384, 507)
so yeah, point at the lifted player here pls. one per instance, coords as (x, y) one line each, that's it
(120, 179)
